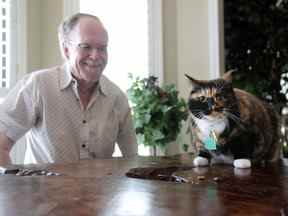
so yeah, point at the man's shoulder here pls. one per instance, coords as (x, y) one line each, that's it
(44, 77)
(47, 72)
(109, 87)
(37, 76)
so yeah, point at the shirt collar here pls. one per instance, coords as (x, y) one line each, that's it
(102, 85)
(66, 79)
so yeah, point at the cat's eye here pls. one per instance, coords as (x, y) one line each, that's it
(201, 99)
(219, 97)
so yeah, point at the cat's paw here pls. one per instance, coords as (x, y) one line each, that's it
(242, 163)
(200, 161)
(242, 172)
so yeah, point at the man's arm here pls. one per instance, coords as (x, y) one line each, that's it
(5, 147)
(127, 141)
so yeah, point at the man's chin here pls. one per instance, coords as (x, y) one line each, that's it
(93, 78)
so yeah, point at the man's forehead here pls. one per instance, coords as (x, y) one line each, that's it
(89, 29)
(89, 21)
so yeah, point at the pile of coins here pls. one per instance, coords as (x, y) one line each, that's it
(36, 172)
(193, 179)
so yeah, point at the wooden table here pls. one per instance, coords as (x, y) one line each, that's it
(100, 187)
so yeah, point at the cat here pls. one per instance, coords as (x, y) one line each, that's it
(231, 125)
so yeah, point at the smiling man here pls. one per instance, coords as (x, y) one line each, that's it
(73, 111)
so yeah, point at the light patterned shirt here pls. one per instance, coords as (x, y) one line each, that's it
(45, 106)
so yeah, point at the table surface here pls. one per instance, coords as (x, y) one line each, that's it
(100, 187)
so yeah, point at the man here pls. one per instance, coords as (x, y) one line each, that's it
(72, 111)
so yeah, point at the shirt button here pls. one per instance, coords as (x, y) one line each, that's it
(83, 146)
(84, 121)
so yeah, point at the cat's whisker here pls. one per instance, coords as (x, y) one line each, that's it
(231, 110)
(196, 110)
(233, 104)
(235, 118)
(198, 115)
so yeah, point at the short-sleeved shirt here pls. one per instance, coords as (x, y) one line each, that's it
(45, 106)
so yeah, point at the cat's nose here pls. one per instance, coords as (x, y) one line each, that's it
(210, 102)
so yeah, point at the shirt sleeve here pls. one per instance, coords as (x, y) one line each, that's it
(17, 111)
(126, 137)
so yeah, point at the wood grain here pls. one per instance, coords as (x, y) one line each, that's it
(102, 187)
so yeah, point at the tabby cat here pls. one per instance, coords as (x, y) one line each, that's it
(231, 125)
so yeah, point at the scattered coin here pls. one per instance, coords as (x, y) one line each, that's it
(201, 178)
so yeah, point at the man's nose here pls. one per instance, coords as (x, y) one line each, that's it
(94, 53)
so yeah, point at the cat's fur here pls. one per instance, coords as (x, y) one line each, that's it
(246, 128)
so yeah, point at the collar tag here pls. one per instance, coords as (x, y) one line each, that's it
(211, 141)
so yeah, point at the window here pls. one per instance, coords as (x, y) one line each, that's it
(126, 22)
(133, 46)
(4, 43)
(11, 12)
(12, 54)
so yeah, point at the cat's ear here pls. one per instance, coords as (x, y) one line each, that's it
(228, 75)
(193, 81)
(190, 78)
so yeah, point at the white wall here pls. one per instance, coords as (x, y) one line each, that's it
(43, 19)
(52, 15)
(186, 46)
(33, 35)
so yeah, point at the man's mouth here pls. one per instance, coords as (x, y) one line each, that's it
(90, 64)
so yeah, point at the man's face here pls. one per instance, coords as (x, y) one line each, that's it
(87, 50)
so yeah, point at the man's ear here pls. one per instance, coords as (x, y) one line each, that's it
(66, 51)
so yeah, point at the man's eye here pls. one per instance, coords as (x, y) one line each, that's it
(102, 48)
(85, 46)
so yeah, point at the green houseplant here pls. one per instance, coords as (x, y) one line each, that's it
(157, 112)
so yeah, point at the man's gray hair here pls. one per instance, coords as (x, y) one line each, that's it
(67, 26)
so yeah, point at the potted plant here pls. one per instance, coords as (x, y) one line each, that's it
(157, 112)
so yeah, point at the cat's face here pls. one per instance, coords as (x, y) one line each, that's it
(212, 99)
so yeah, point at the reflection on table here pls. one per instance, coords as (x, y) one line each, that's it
(101, 187)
